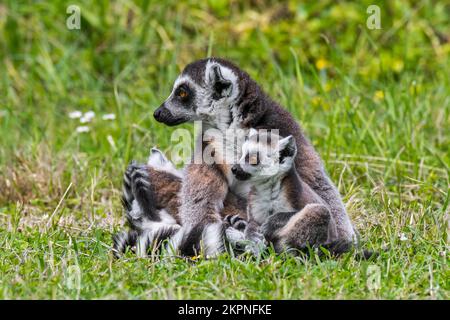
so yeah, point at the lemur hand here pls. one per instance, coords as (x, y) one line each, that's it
(235, 221)
(256, 242)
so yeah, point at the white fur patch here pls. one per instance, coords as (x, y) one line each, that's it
(158, 161)
(256, 247)
(269, 198)
(175, 241)
(128, 196)
(151, 230)
(212, 239)
(234, 236)
(154, 226)
(142, 244)
(135, 212)
(166, 217)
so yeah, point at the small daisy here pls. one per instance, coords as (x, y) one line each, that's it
(109, 116)
(82, 129)
(87, 117)
(75, 114)
(403, 237)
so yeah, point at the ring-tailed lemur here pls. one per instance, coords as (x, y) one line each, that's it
(224, 97)
(151, 202)
(281, 207)
(152, 215)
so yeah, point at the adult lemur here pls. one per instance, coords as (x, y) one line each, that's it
(224, 97)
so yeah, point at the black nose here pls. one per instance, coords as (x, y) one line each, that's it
(157, 114)
(234, 169)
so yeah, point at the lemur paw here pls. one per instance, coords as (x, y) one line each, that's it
(274, 223)
(256, 248)
(256, 242)
(242, 241)
(234, 236)
(235, 221)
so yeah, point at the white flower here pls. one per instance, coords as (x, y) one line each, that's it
(75, 114)
(87, 117)
(109, 116)
(403, 237)
(82, 129)
(89, 114)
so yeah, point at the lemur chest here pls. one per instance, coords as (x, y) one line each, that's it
(240, 188)
(268, 201)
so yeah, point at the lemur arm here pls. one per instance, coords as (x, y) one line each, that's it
(252, 229)
(203, 191)
(252, 232)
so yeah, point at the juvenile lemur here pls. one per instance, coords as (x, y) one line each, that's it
(222, 96)
(151, 203)
(281, 207)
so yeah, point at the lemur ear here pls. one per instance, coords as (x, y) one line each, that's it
(287, 147)
(156, 158)
(221, 87)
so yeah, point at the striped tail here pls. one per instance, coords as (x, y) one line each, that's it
(122, 241)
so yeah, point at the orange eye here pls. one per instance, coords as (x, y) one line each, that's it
(182, 94)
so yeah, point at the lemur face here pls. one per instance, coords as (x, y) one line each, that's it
(265, 155)
(202, 88)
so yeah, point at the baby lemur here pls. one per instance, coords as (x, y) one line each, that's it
(287, 212)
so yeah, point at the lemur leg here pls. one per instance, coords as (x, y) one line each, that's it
(274, 223)
(245, 235)
(322, 185)
(313, 226)
(203, 192)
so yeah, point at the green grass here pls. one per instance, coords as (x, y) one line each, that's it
(379, 114)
